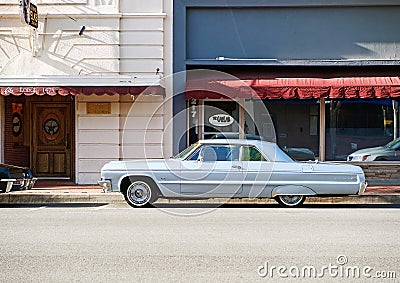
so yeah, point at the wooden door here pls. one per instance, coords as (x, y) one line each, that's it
(51, 138)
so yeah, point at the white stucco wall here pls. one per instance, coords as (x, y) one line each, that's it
(133, 130)
(56, 47)
(120, 38)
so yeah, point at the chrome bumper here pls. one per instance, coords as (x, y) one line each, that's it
(24, 184)
(106, 185)
(28, 184)
(363, 186)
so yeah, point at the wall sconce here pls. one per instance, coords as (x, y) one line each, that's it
(82, 30)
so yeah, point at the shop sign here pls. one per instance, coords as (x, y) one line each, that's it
(98, 108)
(221, 120)
(33, 16)
(16, 124)
(29, 13)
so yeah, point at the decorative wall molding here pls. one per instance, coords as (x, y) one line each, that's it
(90, 15)
(81, 81)
(47, 2)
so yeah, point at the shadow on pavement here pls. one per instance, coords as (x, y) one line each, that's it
(255, 206)
(209, 205)
(61, 205)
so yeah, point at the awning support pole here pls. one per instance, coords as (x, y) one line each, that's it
(241, 118)
(395, 105)
(322, 129)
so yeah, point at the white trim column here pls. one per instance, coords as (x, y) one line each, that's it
(168, 77)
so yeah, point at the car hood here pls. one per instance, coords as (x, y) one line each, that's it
(372, 150)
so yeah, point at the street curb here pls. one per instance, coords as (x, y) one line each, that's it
(117, 198)
(49, 198)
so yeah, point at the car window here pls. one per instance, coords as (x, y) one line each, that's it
(183, 154)
(250, 153)
(209, 153)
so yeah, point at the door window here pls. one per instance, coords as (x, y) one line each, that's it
(250, 153)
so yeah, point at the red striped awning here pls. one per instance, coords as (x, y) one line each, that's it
(296, 88)
(112, 90)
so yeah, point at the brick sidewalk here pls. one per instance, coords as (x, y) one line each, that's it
(383, 190)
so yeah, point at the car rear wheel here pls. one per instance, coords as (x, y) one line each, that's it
(141, 193)
(290, 200)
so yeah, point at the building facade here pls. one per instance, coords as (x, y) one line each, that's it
(84, 87)
(326, 71)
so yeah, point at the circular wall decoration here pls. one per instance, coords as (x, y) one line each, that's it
(51, 127)
(16, 124)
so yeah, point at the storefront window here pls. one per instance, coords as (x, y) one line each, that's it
(352, 125)
(296, 125)
(220, 117)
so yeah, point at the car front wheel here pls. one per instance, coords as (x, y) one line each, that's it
(290, 200)
(141, 193)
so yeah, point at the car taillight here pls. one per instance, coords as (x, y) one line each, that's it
(365, 157)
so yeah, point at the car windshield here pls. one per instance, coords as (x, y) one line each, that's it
(184, 153)
(393, 144)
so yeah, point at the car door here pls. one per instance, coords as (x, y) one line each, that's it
(214, 170)
(257, 170)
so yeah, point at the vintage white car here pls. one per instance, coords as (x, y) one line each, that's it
(230, 169)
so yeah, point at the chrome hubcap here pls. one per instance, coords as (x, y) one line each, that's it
(139, 193)
(291, 200)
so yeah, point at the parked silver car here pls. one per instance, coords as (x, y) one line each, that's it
(388, 152)
(227, 169)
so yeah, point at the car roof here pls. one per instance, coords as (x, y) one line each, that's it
(236, 136)
(237, 142)
(270, 149)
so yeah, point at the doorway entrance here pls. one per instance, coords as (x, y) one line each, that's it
(51, 136)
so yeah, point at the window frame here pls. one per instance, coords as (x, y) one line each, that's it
(241, 148)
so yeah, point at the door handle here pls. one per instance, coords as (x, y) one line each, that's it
(237, 167)
(307, 169)
(67, 141)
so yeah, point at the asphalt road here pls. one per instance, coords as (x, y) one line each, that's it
(228, 244)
